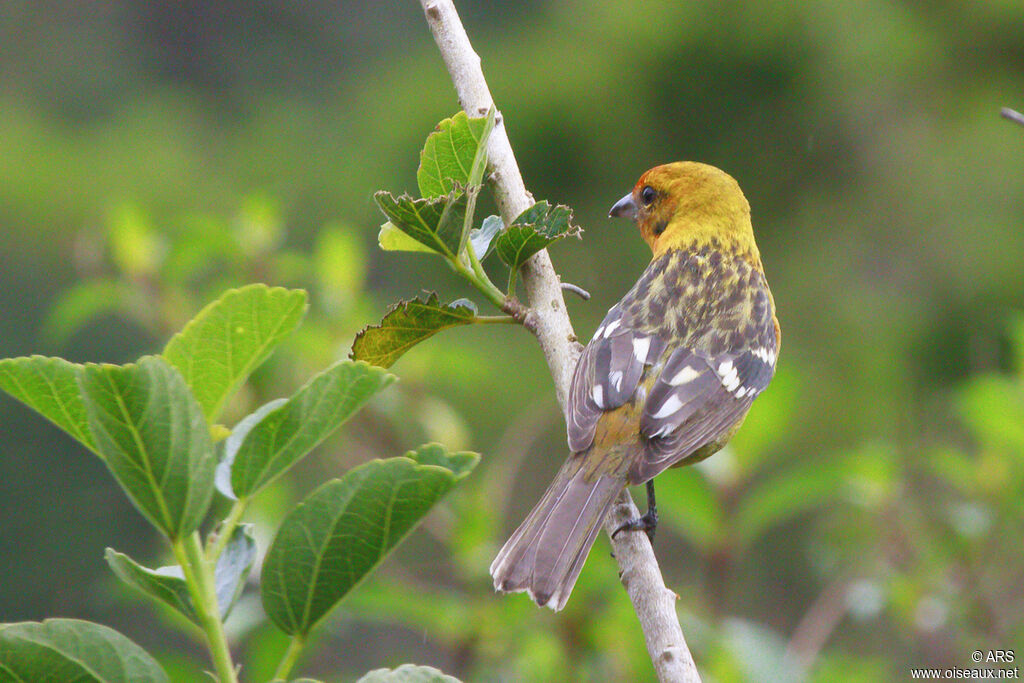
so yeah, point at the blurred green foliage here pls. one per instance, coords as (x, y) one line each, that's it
(864, 520)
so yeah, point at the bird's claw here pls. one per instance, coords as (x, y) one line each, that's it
(648, 523)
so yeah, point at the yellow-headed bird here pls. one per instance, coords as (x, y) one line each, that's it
(667, 378)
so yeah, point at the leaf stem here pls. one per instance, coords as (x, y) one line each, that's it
(199, 579)
(478, 278)
(496, 319)
(290, 657)
(512, 273)
(227, 528)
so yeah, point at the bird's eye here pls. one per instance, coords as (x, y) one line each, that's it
(647, 195)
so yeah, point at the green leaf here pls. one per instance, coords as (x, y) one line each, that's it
(233, 567)
(408, 673)
(390, 238)
(443, 147)
(533, 230)
(151, 432)
(292, 430)
(50, 387)
(63, 650)
(405, 325)
(437, 223)
(345, 528)
(230, 337)
(166, 584)
(454, 154)
(222, 479)
(482, 238)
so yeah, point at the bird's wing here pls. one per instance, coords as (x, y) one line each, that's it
(698, 397)
(608, 374)
(693, 343)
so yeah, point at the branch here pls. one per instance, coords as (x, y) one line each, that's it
(1012, 115)
(653, 603)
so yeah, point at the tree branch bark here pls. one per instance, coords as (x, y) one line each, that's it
(547, 318)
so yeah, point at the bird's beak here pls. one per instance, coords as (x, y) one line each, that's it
(624, 208)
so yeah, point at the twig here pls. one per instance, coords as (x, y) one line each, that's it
(1012, 115)
(577, 290)
(654, 604)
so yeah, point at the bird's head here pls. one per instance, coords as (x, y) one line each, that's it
(689, 205)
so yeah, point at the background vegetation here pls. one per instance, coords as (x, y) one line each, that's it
(867, 518)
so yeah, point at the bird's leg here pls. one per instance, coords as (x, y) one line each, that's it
(648, 522)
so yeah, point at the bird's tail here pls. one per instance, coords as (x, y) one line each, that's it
(545, 554)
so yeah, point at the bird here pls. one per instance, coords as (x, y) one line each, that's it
(667, 378)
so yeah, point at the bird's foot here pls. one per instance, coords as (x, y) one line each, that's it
(647, 523)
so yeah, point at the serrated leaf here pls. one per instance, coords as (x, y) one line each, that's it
(454, 154)
(405, 325)
(290, 431)
(408, 673)
(61, 650)
(229, 338)
(150, 431)
(482, 238)
(164, 584)
(533, 230)
(345, 528)
(233, 567)
(455, 157)
(436, 223)
(50, 387)
(390, 238)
